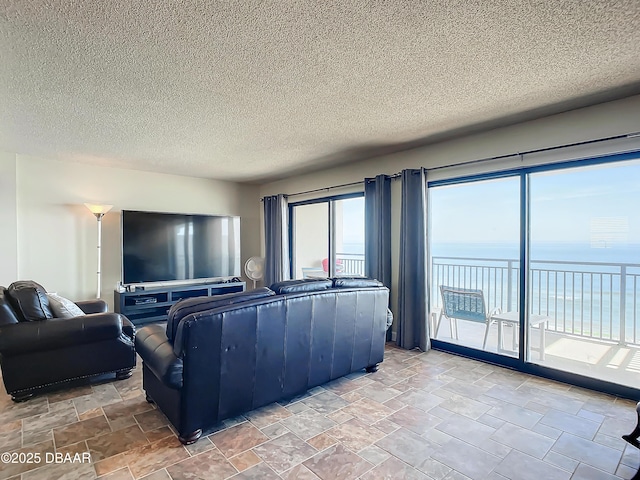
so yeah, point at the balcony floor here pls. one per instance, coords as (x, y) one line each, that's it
(596, 359)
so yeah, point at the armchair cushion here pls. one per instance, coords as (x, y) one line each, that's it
(29, 300)
(58, 333)
(7, 315)
(63, 307)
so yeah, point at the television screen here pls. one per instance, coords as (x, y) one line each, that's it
(163, 247)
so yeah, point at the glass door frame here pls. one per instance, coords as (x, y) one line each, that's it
(520, 363)
(331, 238)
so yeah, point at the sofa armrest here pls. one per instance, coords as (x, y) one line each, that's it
(128, 328)
(93, 306)
(56, 333)
(157, 354)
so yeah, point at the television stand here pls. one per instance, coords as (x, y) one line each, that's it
(153, 304)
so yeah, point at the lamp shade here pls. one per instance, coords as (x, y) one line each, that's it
(98, 209)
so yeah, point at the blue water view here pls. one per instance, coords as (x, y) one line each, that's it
(565, 252)
(629, 253)
(577, 285)
(352, 248)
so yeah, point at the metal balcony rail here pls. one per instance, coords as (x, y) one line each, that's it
(586, 299)
(351, 264)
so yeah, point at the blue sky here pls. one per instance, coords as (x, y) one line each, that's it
(590, 205)
(353, 218)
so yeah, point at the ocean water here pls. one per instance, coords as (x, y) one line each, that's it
(564, 252)
(352, 248)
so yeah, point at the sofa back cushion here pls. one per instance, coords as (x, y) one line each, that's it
(355, 282)
(7, 315)
(188, 306)
(29, 300)
(302, 286)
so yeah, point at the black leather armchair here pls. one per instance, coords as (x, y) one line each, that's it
(39, 351)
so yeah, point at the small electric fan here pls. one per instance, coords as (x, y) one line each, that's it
(254, 269)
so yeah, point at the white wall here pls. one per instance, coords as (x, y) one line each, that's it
(57, 235)
(8, 219)
(599, 121)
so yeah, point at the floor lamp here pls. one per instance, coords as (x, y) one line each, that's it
(99, 211)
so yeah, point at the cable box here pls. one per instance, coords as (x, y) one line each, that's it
(145, 300)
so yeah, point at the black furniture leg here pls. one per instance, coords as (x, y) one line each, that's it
(190, 438)
(372, 368)
(123, 374)
(632, 438)
(21, 397)
(148, 398)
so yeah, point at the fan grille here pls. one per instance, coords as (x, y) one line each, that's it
(254, 268)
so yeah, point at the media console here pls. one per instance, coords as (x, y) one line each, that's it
(153, 304)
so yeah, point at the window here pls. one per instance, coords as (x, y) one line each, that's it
(327, 237)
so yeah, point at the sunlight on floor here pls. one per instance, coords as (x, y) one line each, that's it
(618, 358)
(634, 364)
(577, 350)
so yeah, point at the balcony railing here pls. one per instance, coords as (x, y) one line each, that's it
(350, 264)
(587, 299)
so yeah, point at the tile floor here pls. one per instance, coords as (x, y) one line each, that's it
(421, 416)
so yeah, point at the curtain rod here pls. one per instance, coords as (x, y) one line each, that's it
(360, 182)
(537, 150)
(481, 160)
(326, 188)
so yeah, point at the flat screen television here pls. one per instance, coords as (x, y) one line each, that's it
(170, 247)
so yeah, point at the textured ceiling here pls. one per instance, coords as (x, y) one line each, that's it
(252, 90)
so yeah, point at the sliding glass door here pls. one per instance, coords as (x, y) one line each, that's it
(327, 237)
(541, 265)
(475, 256)
(584, 272)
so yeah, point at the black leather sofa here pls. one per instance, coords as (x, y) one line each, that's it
(221, 356)
(38, 351)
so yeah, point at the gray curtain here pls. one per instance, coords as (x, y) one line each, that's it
(276, 239)
(377, 225)
(413, 299)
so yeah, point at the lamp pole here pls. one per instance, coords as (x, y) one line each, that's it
(99, 217)
(99, 211)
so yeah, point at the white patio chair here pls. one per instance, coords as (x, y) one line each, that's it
(464, 304)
